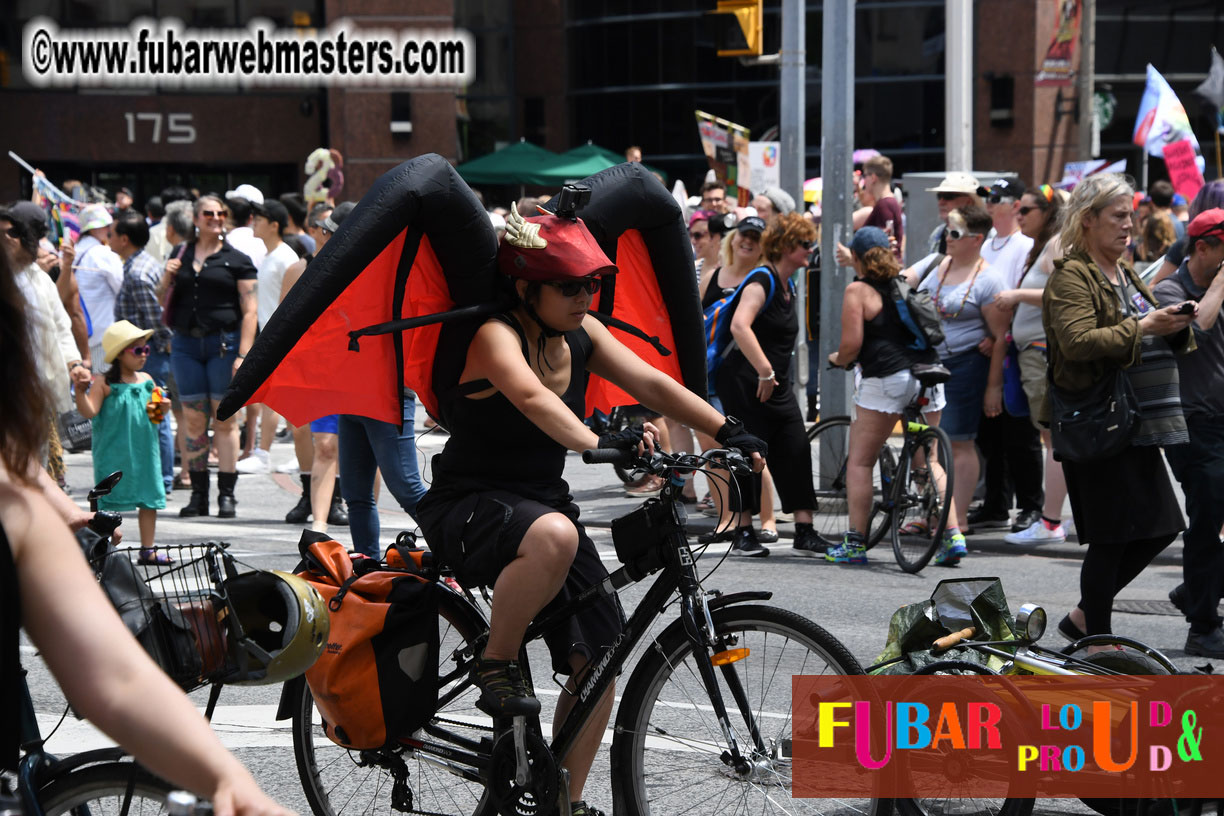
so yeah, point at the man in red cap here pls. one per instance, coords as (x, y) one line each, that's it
(499, 512)
(1199, 465)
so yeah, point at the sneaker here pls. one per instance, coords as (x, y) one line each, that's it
(1037, 533)
(503, 691)
(951, 551)
(289, 467)
(984, 518)
(807, 542)
(648, 485)
(849, 551)
(258, 462)
(745, 544)
(581, 808)
(1025, 520)
(1209, 644)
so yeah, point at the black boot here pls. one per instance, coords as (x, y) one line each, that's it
(226, 503)
(300, 514)
(336, 514)
(197, 505)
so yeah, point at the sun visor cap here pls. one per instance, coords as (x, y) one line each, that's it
(571, 252)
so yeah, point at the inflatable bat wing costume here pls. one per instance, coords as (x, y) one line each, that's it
(396, 295)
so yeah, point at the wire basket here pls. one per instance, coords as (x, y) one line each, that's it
(179, 612)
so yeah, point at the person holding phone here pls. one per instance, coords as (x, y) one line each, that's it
(1099, 317)
(1199, 465)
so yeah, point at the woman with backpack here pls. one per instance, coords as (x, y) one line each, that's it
(753, 381)
(874, 337)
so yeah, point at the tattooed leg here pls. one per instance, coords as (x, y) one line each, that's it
(195, 420)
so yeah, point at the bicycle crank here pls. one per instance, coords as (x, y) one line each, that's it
(523, 777)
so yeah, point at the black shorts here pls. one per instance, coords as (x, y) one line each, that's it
(477, 534)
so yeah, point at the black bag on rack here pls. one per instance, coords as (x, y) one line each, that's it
(164, 633)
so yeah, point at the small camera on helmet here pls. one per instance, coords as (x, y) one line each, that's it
(572, 198)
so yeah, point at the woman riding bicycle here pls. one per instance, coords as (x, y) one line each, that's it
(499, 512)
(873, 336)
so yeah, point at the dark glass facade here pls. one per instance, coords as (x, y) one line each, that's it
(638, 70)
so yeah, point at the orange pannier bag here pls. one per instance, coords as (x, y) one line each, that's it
(377, 680)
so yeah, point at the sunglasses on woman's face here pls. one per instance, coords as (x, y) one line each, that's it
(697, 235)
(1027, 210)
(948, 196)
(139, 351)
(572, 288)
(957, 234)
(213, 213)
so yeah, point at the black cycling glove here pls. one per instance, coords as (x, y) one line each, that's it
(733, 435)
(626, 440)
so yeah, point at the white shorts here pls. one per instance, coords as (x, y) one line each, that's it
(892, 393)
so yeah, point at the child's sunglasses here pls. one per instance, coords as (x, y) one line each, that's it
(571, 288)
(139, 351)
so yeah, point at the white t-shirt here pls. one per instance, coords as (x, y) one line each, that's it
(1007, 255)
(99, 274)
(271, 276)
(243, 239)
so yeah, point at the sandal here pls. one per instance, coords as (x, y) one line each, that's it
(154, 558)
(916, 528)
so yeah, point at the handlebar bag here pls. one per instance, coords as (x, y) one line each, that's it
(377, 680)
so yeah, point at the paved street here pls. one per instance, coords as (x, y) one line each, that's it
(854, 603)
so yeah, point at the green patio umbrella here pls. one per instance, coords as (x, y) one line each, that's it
(590, 151)
(519, 163)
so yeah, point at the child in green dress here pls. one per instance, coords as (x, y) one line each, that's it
(126, 406)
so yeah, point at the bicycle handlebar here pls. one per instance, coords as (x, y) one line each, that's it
(609, 456)
(660, 464)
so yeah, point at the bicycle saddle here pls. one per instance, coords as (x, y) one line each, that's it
(930, 374)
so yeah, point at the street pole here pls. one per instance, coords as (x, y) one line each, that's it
(958, 86)
(1087, 107)
(836, 166)
(792, 163)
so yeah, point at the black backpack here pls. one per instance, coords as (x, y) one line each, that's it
(918, 314)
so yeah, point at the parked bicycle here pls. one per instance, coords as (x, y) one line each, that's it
(912, 482)
(981, 638)
(704, 722)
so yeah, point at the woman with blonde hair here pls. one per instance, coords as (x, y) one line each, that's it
(874, 338)
(1098, 318)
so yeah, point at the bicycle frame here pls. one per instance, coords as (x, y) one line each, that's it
(679, 574)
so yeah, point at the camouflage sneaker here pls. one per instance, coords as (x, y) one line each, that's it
(503, 691)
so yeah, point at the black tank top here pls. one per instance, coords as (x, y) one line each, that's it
(494, 445)
(886, 341)
(775, 327)
(714, 292)
(10, 624)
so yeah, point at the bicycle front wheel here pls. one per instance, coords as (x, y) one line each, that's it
(339, 781)
(922, 497)
(829, 441)
(667, 748)
(103, 790)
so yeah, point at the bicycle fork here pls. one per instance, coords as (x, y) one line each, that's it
(699, 626)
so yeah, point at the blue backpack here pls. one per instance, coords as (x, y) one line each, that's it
(719, 341)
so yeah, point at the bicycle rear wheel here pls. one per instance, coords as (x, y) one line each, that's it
(341, 782)
(103, 790)
(922, 497)
(829, 441)
(666, 751)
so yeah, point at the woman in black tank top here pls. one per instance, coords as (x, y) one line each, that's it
(499, 512)
(753, 382)
(874, 337)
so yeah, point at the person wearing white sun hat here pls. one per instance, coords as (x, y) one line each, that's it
(99, 274)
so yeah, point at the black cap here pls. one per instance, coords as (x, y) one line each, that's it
(722, 223)
(274, 211)
(752, 223)
(333, 221)
(1003, 188)
(28, 217)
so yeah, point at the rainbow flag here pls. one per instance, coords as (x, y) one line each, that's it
(1162, 118)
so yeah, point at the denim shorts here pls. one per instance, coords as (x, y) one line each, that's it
(203, 366)
(892, 393)
(964, 393)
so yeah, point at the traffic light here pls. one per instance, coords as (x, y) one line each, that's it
(740, 37)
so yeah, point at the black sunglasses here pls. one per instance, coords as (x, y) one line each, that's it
(998, 199)
(948, 196)
(1027, 210)
(572, 288)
